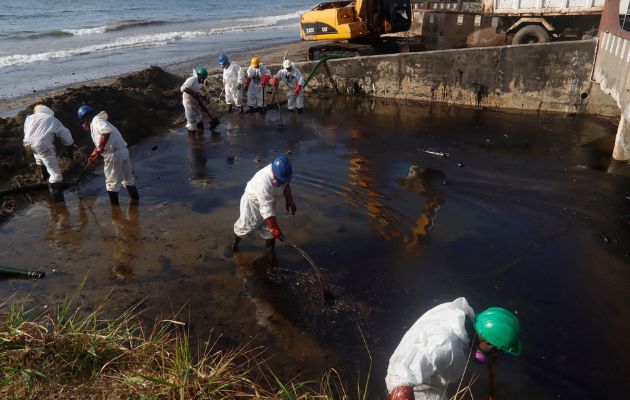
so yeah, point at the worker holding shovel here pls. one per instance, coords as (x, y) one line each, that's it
(193, 106)
(258, 206)
(435, 350)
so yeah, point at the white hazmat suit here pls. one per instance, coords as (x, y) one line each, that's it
(257, 204)
(117, 167)
(192, 109)
(292, 79)
(255, 90)
(232, 77)
(433, 352)
(40, 130)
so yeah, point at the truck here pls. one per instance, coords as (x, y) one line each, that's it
(388, 26)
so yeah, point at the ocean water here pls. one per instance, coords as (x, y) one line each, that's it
(47, 43)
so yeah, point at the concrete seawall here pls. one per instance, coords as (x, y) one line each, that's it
(553, 77)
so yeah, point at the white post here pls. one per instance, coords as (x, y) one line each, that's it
(621, 151)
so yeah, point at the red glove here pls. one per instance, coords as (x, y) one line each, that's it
(265, 80)
(274, 81)
(401, 393)
(297, 90)
(99, 149)
(272, 224)
(288, 196)
(249, 80)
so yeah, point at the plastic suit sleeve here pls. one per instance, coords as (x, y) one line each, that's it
(63, 133)
(101, 146)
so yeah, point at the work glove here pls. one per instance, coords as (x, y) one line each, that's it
(274, 81)
(249, 80)
(265, 80)
(272, 224)
(297, 90)
(401, 393)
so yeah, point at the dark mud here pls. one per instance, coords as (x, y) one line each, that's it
(513, 217)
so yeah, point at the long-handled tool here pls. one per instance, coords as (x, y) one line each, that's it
(21, 273)
(327, 295)
(275, 96)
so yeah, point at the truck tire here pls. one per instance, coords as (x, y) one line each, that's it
(531, 34)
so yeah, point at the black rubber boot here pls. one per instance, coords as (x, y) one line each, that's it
(270, 246)
(44, 171)
(232, 247)
(299, 110)
(56, 191)
(113, 198)
(214, 122)
(290, 110)
(250, 110)
(133, 193)
(229, 108)
(241, 108)
(262, 110)
(200, 126)
(192, 133)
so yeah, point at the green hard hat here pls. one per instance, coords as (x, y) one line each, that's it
(500, 328)
(203, 72)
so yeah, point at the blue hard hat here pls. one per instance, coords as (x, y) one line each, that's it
(222, 59)
(281, 168)
(83, 110)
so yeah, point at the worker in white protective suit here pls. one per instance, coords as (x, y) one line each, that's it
(40, 130)
(293, 78)
(258, 206)
(193, 107)
(233, 82)
(257, 77)
(111, 145)
(435, 350)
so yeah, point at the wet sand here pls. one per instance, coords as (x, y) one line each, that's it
(516, 217)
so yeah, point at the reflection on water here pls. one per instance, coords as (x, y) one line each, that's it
(127, 243)
(513, 218)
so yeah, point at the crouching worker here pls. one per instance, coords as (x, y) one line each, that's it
(193, 107)
(111, 145)
(40, 130)
(434, 351)
(258, 206)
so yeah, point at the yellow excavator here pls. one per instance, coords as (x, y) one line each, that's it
(360, 23)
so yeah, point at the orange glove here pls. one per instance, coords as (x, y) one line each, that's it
(272, 224)
(265, 80)
(297, 90)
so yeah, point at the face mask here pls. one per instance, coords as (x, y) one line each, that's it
(481, 357)
(275, 182)
(86, 126)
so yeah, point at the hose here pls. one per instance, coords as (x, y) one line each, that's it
(21, 273)
(314, 69)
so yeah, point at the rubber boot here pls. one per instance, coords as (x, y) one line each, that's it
(44, 171)
(200, 126)
(262, 110)
(232, 247)
(113, 198)
(214, 122)
(56, 191)
(133, 193)
(299, 110)
(270, 246)
(241, 108)
(192, 133)
(229, 108)
(290, 110)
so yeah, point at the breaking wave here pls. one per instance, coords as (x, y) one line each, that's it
(119, 26)
(159, 39)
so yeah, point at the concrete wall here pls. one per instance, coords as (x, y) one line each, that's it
(544, 77)
(612, 71)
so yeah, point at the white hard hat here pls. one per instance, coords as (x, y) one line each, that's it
(286, 63)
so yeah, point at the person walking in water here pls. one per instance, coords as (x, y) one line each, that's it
(111, 145)
(435, 350)
(258, 205)
(40, 130)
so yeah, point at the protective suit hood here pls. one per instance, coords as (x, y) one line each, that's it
(42, 109)
(102, 115)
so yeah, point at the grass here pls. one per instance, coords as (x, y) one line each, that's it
(71, 352)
